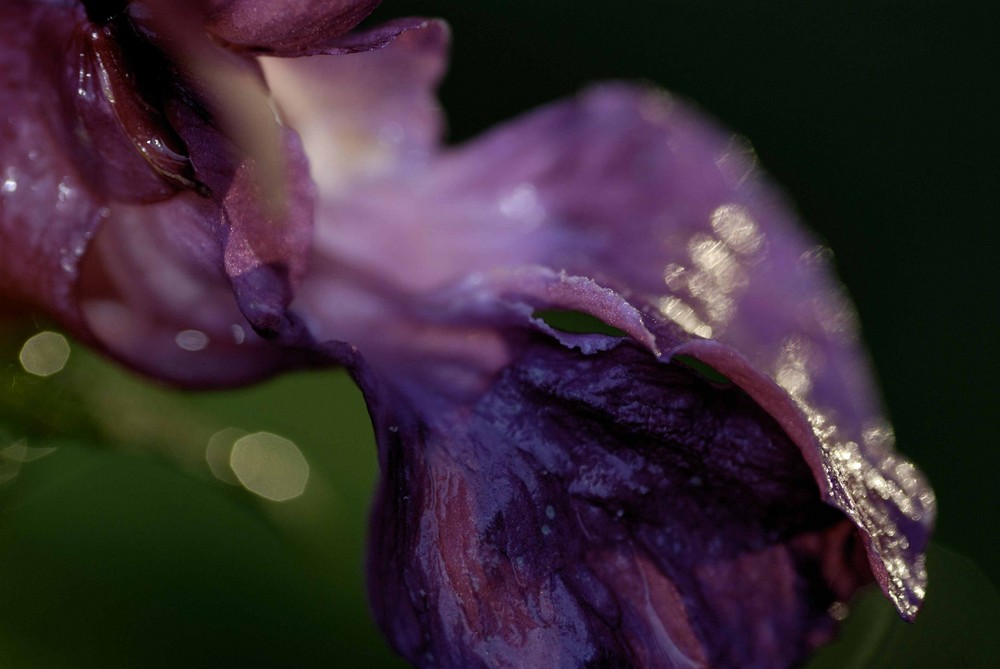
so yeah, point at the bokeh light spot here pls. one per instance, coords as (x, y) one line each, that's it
(219, 451)
(270, 466)
(44, 354)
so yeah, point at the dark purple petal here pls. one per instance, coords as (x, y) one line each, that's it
(603, 510)
(357, 41)
(123, 145)
(284, 26)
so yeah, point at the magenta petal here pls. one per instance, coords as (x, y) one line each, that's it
(160, 283)
(106, 139)
(150, 284)
(47, 210)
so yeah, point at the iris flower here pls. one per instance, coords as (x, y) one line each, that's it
(697, 477)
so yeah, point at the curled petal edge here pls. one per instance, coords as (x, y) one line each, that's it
(887, 499)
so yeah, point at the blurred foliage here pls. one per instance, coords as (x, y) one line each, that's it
(956, 628)
(119, 548)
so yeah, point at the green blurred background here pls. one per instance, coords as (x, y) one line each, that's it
(121, 549)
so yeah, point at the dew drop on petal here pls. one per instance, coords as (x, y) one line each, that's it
(191, 340)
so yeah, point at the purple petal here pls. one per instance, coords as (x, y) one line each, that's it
(622, 204)
(610, 510)
(366, 115)
(153, 293)
(658, 209)
(284, 26)
(146, 283)
(124, 147)
(47, 210)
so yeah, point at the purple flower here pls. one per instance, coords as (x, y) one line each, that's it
(151, 123)
(695, 484)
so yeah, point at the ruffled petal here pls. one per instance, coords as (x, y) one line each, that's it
(634, 192)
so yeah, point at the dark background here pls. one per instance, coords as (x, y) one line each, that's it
(118, 549)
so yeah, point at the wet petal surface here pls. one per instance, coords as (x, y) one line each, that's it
(624, 204)
(604, 510)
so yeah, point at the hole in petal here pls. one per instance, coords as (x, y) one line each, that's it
(703, 370)
(576, 322)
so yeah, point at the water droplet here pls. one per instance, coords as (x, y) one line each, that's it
(550, 512)
(191, 340)
(67, 261)
(522, 204)
(546, 530)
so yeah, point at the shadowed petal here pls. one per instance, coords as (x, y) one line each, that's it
(603, 510)
(284, 25)
(155, 296)
(48, 212)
